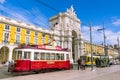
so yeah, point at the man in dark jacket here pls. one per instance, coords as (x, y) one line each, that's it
(79, 63)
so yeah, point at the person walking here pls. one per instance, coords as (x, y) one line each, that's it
(83, 64)
(79, 63)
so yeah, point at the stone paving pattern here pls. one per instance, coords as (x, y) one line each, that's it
(105, 73)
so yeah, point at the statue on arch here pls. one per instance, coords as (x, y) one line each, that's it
(71, 11)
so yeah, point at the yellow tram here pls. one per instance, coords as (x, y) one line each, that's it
(88, 61)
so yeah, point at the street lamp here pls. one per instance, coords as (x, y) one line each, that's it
(92, 66)
(105, 51)
(104, 37)
(118, 49)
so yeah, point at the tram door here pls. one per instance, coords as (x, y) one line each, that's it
(22, 60)
(26, 61)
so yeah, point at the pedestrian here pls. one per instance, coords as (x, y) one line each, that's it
(79, 63)
(83, 64)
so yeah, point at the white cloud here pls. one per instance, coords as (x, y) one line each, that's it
(97, 36)
(26, 16)
(40, 19)
(116, 22)
(13, 13)
(2, 1)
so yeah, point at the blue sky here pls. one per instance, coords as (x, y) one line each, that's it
(95, 11)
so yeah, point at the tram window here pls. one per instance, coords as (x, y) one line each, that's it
(19, 56)
(36, 56)
(26, 55)
(42, 56)
(15, 55)
(57, 56)
(62, 56)
(67, 56)
(52, 56)
(47, 56)
(89, 58)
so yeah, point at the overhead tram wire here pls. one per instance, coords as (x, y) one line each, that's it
(32, 13)
(40, 2)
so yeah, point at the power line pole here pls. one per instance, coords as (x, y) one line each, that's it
(92, 66)
(104, 41)
(105, 46)
(118, 49)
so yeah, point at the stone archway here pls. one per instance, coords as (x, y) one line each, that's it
(4, 52)
(74, 37)
(68, 33)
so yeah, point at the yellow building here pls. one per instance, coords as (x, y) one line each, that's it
(99, 50)
(13, 33)
(96, 49)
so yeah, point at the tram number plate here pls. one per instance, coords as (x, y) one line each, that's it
(50, 62)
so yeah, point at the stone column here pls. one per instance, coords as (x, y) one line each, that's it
(70, 48)
(62, 44)
(10, 53)
(78, 49)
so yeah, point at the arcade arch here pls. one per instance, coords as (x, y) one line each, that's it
(74, 37)
(4, 53)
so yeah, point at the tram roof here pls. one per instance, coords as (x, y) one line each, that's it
(42, 47)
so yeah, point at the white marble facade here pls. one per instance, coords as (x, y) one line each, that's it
(67, 33)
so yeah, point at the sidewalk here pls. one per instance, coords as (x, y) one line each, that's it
(1, 65)
(105, 73)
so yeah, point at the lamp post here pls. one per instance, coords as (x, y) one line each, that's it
(92, 66)
(104, 37)
(118, 49)
(105, 48)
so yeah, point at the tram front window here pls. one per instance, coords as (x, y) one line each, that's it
(26, 55)
(19, 56)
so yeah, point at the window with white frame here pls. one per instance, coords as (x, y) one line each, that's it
(43, 39)
(35, 41)
(17, 38)
(7, 27)
(6, 36)
(49, 39)
(27, 39)
(27, 31)
(36, 34)
(57, 43)
(18, 29)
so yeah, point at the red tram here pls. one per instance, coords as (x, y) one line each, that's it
(39, 59)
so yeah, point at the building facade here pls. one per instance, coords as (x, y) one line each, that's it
(99, 50)
(14, 33)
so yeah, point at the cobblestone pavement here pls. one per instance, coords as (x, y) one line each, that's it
(107, 73)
